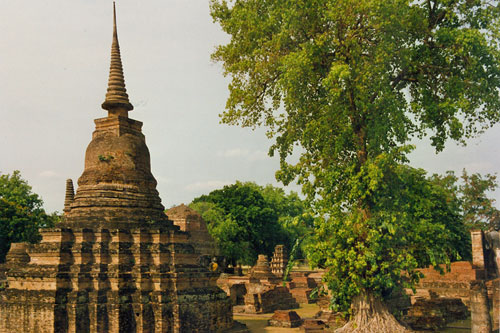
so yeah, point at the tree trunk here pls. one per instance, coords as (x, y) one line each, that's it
(371, 315)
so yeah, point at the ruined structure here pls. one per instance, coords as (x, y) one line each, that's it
(284, 318)
(116, 263)
(434, 314)
(190, 221)
(476, 283)
(258, 292)
(301, 286)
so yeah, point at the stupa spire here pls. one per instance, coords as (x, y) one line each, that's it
(116, 101)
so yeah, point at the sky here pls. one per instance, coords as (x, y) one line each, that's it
(54, 64)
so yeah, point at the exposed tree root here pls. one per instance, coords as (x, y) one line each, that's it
(370, 316)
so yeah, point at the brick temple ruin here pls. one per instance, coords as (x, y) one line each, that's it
(191, 221)
(260, 291)
(474, 286)
(115, 263)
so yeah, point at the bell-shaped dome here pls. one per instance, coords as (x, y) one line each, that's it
(122, 159)
(117, 184)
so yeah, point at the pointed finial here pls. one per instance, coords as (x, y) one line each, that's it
(116, 101)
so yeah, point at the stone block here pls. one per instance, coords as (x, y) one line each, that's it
(283, 318)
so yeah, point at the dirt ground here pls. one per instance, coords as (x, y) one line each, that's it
(258, 323)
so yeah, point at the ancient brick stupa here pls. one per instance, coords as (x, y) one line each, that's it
(115, 263)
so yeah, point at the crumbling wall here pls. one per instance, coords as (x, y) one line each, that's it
(453, 284)
(26, 311)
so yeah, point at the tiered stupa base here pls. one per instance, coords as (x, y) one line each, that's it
(141, 279)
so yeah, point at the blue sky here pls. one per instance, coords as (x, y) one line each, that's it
(54, 64)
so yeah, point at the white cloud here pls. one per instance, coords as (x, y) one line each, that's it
(235, 152)
(481, 167)
(206, 185)
(49, 174)
(256, 155)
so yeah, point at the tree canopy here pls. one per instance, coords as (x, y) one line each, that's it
(479, 210)
(470, 191)
(351, 82)
(21, 213)
(246, 219)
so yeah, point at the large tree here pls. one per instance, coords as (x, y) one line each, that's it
(21, 213)
(247, 219)
(242, 222)
(295, 216)
(351, 82)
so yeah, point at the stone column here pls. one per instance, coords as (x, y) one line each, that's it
(480, 315)
(496, 305)
(477, 249)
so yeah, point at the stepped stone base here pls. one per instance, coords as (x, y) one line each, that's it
(111, 280)
(301, 286)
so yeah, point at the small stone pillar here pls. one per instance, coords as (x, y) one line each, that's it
(70, 195)
(480, 315)
(477, 249)
(478, 256)
(279, 260)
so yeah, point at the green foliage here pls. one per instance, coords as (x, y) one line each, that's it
(411, 224)
(449, 211)
(360, 74)
(246, 219)
(351, 83)
(228, 234)
(470, 192)
(21, 213)
(294, 216)
(103, 158)
(479, 210)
